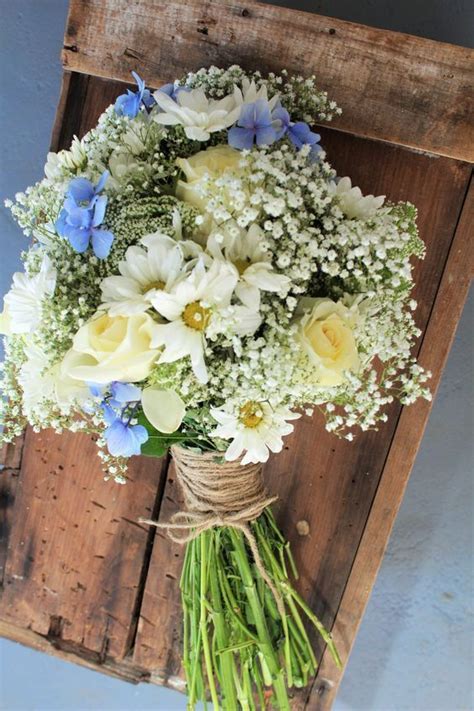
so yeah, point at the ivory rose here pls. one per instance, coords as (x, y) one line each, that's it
(212, 162)
(111, 348)
(326, 335)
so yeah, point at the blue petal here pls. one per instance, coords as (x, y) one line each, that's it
(301, 134)
(283, 117)
(102, 180)
(148, 99)
(241, 138)
(167, 89)
(79, 217)
(140, 433)
(110, 416)
(78, 238)
(247, 116)
(101, 242)
(99, 211)
(128, 104)
(95, 389)
(118, 440)
(125, 392)
(140, 82)
(119, 104)
(266, 135)
(81, 190)
(262, 114)
(123, 440)
(60, 223)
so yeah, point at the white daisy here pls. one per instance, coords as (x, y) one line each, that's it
(142, 273)
(253, 263)
(352, 202)
(192, 308)
(24, 300)
(256, 429)
(199, 115)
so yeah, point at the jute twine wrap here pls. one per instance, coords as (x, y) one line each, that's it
(227, 494)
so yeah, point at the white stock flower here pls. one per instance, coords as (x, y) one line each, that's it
(256, 429)
(199, 115)
(244, 249)
(163, 408)
(191, 308)
(24, 300)
(352, 202)
(42, 382)
(73, 160)
(142, 273)
(249, 94)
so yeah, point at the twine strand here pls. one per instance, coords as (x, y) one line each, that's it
(216, 494)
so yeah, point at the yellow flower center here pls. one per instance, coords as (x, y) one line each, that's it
(196, 316)
(241, 265)
(153, 285)
(251, 414)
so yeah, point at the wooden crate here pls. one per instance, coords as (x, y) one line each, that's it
(79, 577)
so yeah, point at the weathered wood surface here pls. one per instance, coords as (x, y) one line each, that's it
(75, 556)
(126, 621)
(391, 86)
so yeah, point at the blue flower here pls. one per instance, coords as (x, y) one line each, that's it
(254, 124)
(122, 393)
(125, 440)
(82, 213)
(172, 90)
(298, 132)
(84, 192)
(129, 104)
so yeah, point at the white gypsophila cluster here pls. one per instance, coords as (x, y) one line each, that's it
(241, 286)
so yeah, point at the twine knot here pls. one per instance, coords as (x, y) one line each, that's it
(227, 494)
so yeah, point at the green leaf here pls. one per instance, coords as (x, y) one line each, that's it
(158, 443)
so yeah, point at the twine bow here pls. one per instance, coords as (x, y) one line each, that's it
(216, 494)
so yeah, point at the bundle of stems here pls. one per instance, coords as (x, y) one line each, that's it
(238, 651)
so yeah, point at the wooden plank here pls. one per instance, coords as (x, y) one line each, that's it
(434, 351)
(328, 483)
(77, 557)
(416, 92)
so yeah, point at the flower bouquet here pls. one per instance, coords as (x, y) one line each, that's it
(199, 277)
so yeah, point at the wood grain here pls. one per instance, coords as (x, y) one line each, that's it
(391, 86)
(76, 552)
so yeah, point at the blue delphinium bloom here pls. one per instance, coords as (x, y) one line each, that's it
(83, 191)
(82, 214)
(129, 104)
(125, 440)
(118, 408)
(254, 124)
(298, 132)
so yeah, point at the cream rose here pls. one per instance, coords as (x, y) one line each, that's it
(212, 162)
(326, 335)
(111, 348)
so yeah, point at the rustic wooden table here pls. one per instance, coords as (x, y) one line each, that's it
(79, 577)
